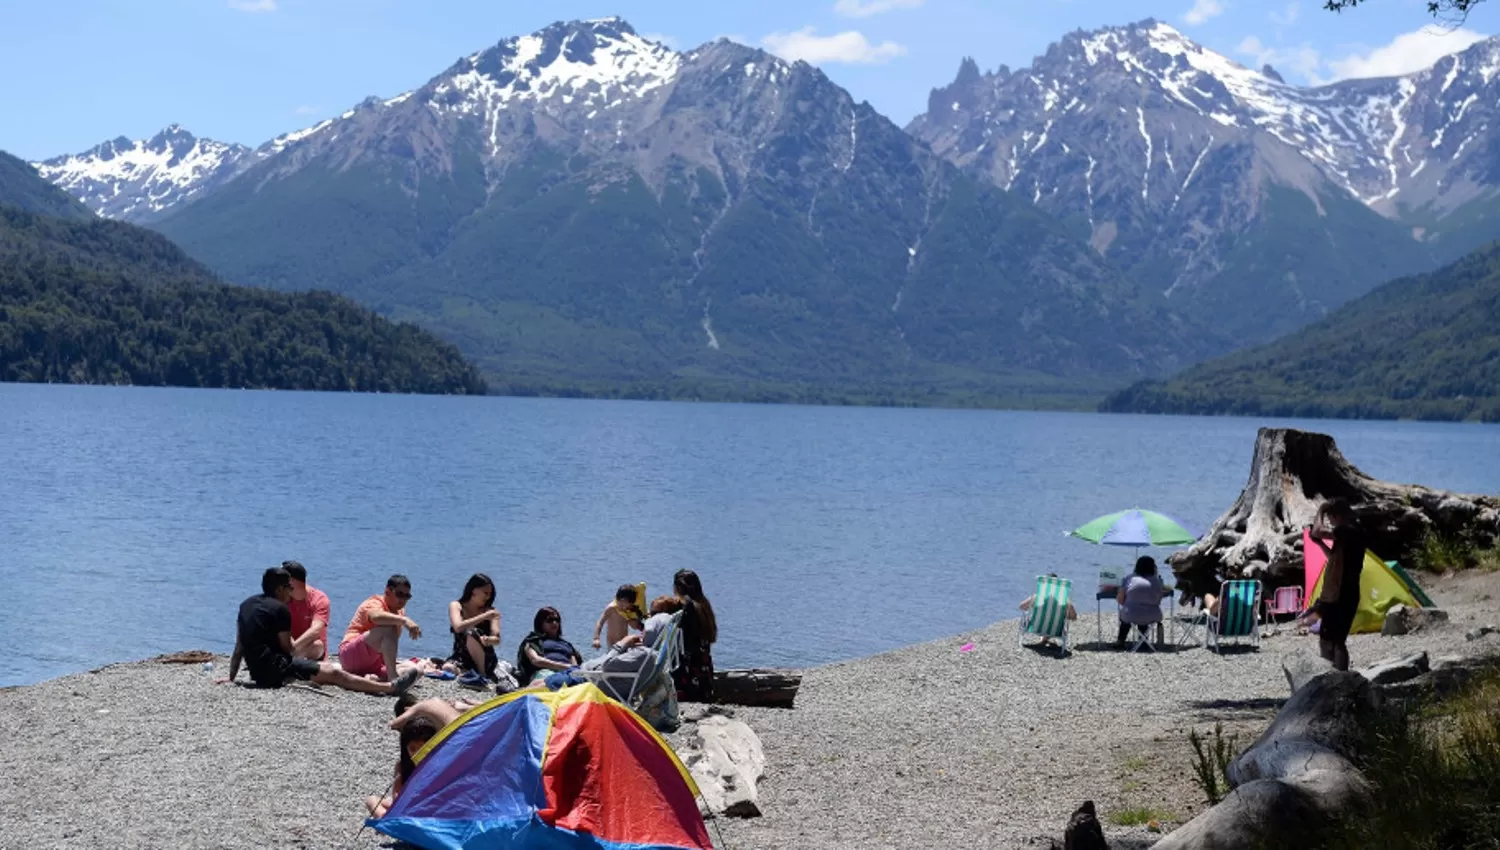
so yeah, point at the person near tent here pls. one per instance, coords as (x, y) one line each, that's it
(700, 631)
(1339, 536)
(475, 625)
(263, 641)
(544, 651)
(416, 731)
(619, 617)
(310, 615)
(1139, 598)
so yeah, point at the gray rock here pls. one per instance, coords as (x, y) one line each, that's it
(1302, 667)
(1393, 670)
(725, 758)
(1479, 632)
(1297, 778)
(1084, 831)
(1403, 619)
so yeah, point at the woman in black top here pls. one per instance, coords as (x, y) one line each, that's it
(544, 651)
(694, 674)
(476, 627)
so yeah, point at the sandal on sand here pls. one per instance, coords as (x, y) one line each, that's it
(404, 682)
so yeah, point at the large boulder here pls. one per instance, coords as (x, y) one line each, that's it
(1298, 777)
(725, 759)
(1302, 667)
(1404, 619)
(1393, 670)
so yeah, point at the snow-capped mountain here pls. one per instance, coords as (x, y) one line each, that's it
(1172, 154)
(582, 205)
(137, 180)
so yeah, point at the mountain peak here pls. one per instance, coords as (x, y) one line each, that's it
(597, 63)
(968, 72)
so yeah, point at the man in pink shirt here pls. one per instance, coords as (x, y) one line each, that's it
(374, 635)
(310, 615)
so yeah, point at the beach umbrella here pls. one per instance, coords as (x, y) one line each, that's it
(1135, 527)
(539, 769)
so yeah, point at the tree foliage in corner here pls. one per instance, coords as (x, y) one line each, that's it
(1455, 10)
(101, 302)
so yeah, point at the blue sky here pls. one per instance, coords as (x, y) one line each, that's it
(82, 71)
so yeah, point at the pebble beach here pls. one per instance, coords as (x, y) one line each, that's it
(927, 746)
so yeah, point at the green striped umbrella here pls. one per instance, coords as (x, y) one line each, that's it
(1135, 527)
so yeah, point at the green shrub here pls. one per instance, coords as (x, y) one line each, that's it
(1211, 762)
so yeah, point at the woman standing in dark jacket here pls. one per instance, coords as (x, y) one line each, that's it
(694, 674)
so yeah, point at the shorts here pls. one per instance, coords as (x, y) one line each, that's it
(358, 657)
(559, 679)
(301, 669)
(1335, 621)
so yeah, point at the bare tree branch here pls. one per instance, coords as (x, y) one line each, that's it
(1450, 12)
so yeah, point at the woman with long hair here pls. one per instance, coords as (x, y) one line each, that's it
(414, 735)
(694, 675)
(544, 651)
(476, 631)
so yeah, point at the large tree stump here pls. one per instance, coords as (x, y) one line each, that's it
(1291, 475)
(757, 687)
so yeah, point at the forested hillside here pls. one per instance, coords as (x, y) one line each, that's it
(1424, 347)
(95, 301)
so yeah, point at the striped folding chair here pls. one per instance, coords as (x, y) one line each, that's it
(1048, 615)
(1239, 614)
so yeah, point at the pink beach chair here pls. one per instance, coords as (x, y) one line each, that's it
(1287, 600)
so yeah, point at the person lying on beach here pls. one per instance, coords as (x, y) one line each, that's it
(619, 616)
(414, 735)
(263, 640)
(544, 651)
(476, 631)
(310, 615)
(1031, 600)
(374, 635)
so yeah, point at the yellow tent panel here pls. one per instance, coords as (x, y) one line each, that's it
(1379, 589)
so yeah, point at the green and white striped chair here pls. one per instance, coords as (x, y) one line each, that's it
(1048, 615)
(1239, 614)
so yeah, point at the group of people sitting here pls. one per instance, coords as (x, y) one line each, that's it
(1139, 597)
(281, 637)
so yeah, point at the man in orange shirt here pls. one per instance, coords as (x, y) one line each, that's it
(374, 635)
(310, 615)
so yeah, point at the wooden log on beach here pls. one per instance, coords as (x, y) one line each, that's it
(772, 688)
(1291, 475)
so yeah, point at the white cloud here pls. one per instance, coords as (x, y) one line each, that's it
(866, 8)
(1408, 52)
(851, 47)
(1301, 61)
(1405, 54)
(253, 5)
(1203, 10)
(660, 38)
(306, 110)
(1289, 16)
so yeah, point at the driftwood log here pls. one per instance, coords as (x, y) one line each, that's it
(1291, 475)
(1299, 778)
(757, 687)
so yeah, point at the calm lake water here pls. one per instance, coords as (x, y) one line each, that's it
(133, 521)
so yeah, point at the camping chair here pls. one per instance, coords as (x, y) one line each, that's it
(668, 650)
(1048, 616)
(1239, 614)
(1286, 600)
(1109, 587)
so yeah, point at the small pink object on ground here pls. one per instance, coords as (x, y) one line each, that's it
(968, 647)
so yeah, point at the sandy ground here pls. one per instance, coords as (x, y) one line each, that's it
(924, 747)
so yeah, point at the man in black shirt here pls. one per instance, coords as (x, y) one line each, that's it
(1339, 601)
(264, 642)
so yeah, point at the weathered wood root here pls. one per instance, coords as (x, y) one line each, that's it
(1291, 475)
(1299, 778)
(757, 687)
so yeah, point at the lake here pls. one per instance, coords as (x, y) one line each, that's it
(133, 521)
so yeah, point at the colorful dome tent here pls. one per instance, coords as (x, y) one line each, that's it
(548, 769)
(1381, 585)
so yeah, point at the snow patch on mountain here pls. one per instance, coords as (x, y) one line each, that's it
(124, 178)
